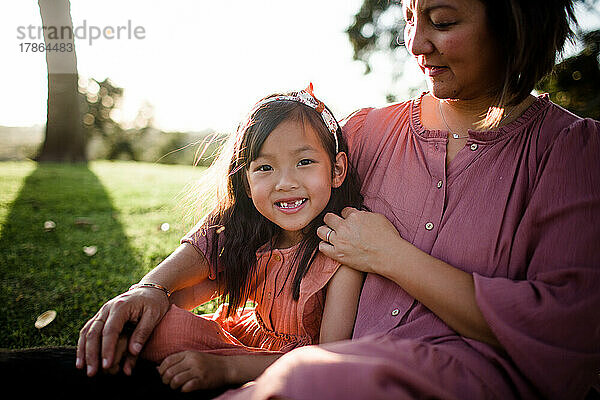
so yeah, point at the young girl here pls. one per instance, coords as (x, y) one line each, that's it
(287, 167)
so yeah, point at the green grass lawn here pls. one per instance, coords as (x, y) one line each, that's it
(116, 206)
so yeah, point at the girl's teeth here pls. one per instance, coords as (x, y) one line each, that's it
(290, 204)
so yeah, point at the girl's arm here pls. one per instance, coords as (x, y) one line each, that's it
(182, 269)
(192, 296)
(341, 304)
(185, 274)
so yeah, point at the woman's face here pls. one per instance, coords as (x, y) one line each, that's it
(454, 47)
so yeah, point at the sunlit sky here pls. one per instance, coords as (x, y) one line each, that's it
(201, 64)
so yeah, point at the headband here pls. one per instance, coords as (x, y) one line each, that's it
(307, 98)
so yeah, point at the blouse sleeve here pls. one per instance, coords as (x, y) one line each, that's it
(352, 127)
(549, 322)
(203, 238)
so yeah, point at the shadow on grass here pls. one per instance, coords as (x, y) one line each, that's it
(42, 270)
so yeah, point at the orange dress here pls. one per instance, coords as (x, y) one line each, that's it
(278, 323)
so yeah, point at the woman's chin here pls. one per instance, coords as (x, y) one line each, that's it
(442, 92)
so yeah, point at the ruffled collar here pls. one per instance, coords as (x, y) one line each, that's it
(267, 249)
(500, 133)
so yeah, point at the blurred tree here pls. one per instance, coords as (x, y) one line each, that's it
(109, 139)
(144, 119)
(99, 101)
(377, 27)
(64, 140)
(574, 84)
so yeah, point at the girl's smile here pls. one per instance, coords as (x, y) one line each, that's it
(291, 206)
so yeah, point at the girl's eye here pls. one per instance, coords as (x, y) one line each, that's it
(264, 168)
(305, 161)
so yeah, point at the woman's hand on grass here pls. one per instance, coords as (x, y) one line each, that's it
(101, 335)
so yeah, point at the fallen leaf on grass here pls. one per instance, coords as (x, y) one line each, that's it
(45, 318)
(165, 227)
(82, 221)
(90, 250)
(49, 226)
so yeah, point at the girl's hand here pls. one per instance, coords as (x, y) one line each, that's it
(192, 370)
(358, 239)
(102, 336)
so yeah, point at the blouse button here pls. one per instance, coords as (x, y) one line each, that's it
(474, 146)
(395, 312)
(440, 183)
(277, 257)
(429, 226)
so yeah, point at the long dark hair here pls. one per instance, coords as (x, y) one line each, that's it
(530, 34)
(240, 228)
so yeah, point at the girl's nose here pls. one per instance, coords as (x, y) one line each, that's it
(287, 181)
(416, 38)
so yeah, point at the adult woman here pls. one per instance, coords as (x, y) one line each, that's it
(481, 247)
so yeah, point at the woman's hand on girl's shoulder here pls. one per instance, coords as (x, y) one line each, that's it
(358, 239)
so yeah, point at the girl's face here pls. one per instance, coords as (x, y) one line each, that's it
(291, 179)
(453, 46)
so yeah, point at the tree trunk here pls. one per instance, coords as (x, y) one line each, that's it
(65, 140)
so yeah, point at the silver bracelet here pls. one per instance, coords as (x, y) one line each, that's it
(152, 285)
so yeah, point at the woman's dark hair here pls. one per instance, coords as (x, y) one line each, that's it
(530, 34)
(242, 229)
